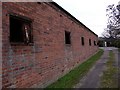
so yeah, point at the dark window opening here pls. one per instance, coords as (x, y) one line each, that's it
(94, 43)
(67, 37)
(97, 43)
(82, 40)
(90, 42)
(20, 30)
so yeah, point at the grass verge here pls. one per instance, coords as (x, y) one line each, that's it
(109, 79)
(73, 77)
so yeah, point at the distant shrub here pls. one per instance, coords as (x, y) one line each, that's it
(116, 43)
(101, 43)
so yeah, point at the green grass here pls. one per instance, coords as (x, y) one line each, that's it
(73, 77)
(109, 79)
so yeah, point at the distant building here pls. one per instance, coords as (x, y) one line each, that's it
(41, 42)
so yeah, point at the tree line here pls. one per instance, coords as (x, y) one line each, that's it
(111, 33)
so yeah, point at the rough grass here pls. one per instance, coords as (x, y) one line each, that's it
(109, 79)
(73, 77)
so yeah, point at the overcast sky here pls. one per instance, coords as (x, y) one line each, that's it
(91, 13)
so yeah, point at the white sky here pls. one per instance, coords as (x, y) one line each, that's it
(91, 13)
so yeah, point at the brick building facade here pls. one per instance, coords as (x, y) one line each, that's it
(49, 42)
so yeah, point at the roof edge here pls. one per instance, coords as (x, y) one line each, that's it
(71, 16)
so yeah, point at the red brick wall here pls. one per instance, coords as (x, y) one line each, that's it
(0, 45)
(48, 58)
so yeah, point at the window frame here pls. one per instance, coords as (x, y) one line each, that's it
(66, 41)
(24, 20)
(94, 43)
(90, 43)
(82, 41)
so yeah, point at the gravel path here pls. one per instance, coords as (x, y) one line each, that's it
(92, 79)
(117, 64)
(119, 69)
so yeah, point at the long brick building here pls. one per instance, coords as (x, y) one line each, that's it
(40, 43)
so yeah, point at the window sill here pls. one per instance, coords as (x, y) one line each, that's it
(68, 45)
(20, 44)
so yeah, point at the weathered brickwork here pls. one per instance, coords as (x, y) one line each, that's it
(49, 57)
(0, 45)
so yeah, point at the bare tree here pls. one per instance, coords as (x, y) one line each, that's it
(113, 24)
